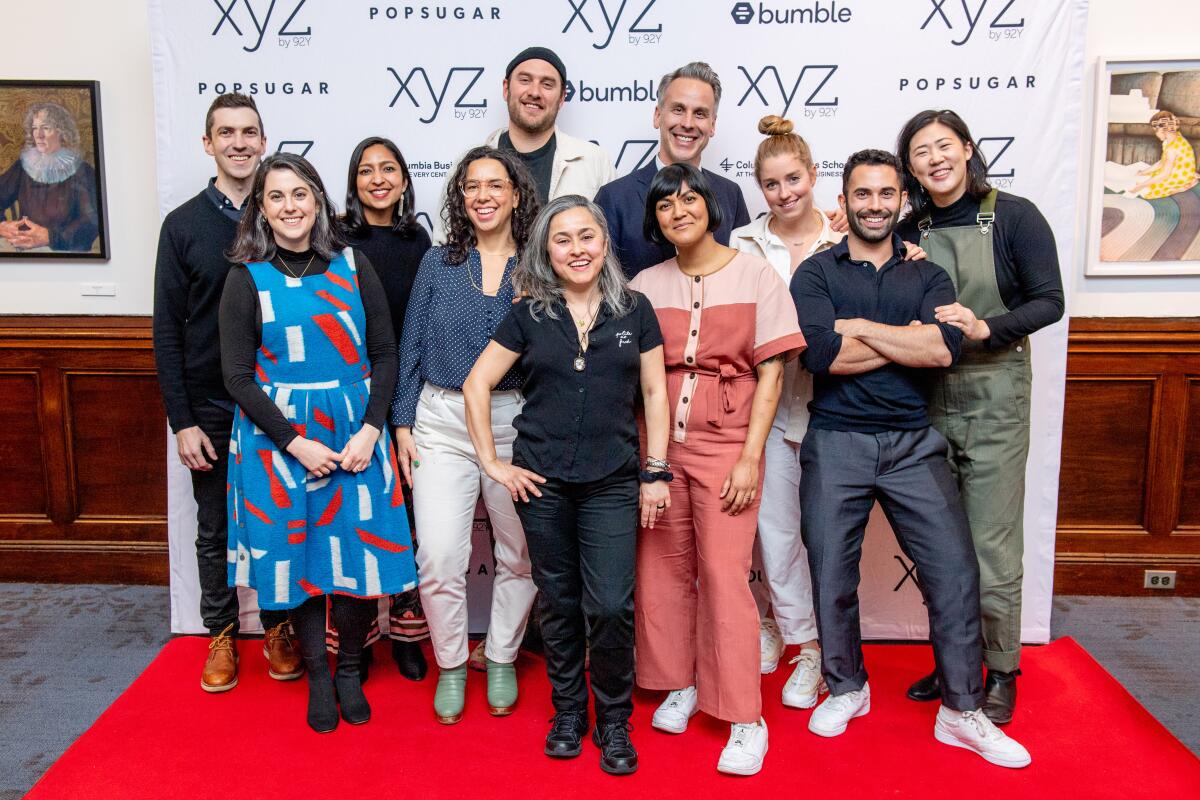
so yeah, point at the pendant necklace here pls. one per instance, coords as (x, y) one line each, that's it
(585, 330)
(288, 269)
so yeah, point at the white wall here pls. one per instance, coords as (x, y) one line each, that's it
(110, 42)
(1119, 28)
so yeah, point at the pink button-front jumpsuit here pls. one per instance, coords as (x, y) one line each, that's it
(696, 621)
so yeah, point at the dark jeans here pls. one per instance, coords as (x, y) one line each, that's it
(842, 475)
(582, 544)
(218, 600)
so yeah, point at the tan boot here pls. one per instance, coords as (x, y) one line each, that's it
(279, 648)
(220, 670)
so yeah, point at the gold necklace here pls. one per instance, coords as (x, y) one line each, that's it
(479, 288)
(288, 269)
(585, 330)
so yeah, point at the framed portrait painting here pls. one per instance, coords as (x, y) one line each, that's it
(52, 202)
(1145, 192)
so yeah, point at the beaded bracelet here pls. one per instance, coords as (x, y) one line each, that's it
(651, 477)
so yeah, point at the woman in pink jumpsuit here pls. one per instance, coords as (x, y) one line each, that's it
(728, 326)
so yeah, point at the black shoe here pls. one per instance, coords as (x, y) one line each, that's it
(410, 660)
(567, 729)
(925, 689)
(348, 682)
(322, 704)
(617, 756)
(1000, 695)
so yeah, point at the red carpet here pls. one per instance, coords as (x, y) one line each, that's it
(164, 738)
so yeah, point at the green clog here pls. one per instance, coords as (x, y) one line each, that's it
(501, 688)
(450, 697)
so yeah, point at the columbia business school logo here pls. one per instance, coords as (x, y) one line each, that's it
(455, 92)
(602, 22)
(818, 13)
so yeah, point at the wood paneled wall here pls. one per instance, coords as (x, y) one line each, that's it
(1129, 492)
(82, 444)
(83, 450)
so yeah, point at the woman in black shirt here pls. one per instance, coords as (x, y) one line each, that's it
(585, 343)
(381, 221)
(999, 250)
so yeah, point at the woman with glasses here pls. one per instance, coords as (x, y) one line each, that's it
(462, 292)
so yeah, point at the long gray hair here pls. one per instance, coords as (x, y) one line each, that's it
(256, 242)
(535, 277)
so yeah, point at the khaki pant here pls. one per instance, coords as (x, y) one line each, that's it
(446, 488)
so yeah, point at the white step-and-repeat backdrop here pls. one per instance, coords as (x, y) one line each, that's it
(428, 75)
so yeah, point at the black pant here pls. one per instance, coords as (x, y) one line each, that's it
(842, 475)
(218, 600)
(582, 545)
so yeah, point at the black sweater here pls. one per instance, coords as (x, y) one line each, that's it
(189, 276)
(1027, 272)
(395, 259)
(241, 337)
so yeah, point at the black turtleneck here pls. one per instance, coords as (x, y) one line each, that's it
(241, 336)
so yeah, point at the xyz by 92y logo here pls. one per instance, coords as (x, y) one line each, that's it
(258, 22)
(602, 21)
(426, 96)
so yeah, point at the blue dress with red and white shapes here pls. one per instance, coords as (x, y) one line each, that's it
(292, 536)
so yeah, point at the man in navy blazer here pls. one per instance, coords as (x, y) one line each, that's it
(686, 118)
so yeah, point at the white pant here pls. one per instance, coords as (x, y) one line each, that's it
(446, 488)
(784, 558)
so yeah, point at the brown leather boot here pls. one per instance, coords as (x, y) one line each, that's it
(220, 670)
(279, 648)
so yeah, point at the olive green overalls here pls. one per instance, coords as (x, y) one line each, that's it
(981, 406)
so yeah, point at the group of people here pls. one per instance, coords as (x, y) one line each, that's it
(641, 383)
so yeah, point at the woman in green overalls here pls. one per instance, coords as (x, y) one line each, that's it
(1000, 253)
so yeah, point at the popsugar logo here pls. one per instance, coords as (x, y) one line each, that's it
(999, 18)
(636, 92)
(777, 89)
(817, 14)
(251, 21)
(441, 13)
(605, 18)
(430, 95)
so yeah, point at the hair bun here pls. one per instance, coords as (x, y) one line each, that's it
(773, 125)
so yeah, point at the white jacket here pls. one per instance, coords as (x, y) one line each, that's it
(580, 167)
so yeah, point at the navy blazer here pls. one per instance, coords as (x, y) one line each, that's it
(624, 204)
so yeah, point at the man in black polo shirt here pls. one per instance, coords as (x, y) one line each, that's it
(189, 276)
(868, 318)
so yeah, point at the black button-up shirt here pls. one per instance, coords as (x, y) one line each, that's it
(578, 426)
(830, 286)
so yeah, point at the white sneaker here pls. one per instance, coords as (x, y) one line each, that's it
(972, 730)
(832, 716)
(673, 715)
(770, 645)
(806, 682)
(745, 750)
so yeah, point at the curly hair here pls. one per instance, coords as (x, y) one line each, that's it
(460, 233)
(56, 115)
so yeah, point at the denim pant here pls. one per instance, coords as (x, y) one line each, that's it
(843, 474)
(218, 600)
(582, 545)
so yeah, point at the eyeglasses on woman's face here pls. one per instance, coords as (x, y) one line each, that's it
(493, 188)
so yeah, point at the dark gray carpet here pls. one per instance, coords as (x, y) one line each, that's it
(70, 650)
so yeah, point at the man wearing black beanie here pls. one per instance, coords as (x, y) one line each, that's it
(535, 89)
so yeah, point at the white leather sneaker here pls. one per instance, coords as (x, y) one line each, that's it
(806, 682)
(770, 645)
(832, 716)
(673, 715)
(972, 730)
(745, 750)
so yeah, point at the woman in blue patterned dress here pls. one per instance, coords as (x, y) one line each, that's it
(308, 354)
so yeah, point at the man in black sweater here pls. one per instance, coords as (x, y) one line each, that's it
(873, 346)
(189, 277)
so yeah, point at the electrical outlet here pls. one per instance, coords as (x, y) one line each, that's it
(1159, 579)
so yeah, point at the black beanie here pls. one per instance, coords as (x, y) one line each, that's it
(545, 54)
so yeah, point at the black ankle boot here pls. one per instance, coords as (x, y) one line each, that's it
(924, 689)
(1000, 695)
(322, 705)
(355, 708)
(364, 667)
(410, 659)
